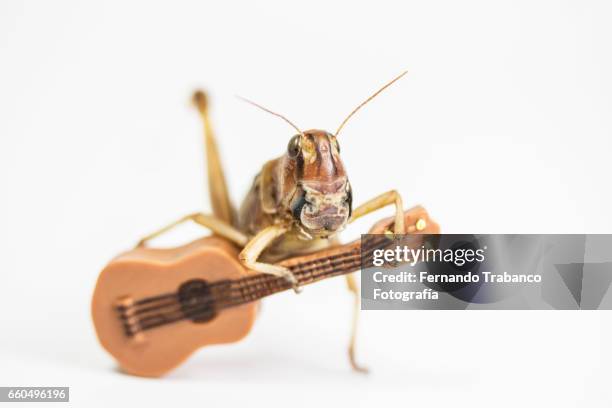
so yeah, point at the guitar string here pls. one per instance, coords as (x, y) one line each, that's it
(180, 312)
(259, 281)
(243, 295)
(250, 280)
(246, 288)
(306, 267)
(240, 295)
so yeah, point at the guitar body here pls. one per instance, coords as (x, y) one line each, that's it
(144, 273)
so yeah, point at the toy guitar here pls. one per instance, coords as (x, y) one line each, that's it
(153, 307)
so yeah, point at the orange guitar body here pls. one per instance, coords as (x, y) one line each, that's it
(144, 272)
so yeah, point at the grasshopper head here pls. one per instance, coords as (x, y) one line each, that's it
(322, 199)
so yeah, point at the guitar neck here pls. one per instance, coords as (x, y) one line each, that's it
(336, 261)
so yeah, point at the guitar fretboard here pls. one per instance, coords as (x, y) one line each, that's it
(307, 269)
(202, 300)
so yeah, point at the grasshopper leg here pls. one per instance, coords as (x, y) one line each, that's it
(383, 200)
(388, 198)
(221, 204)
(253, 249)
(211, 222)
(352, 286)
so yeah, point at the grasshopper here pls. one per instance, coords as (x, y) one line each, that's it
(298, 202)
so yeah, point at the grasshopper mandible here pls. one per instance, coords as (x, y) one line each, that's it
(297, 203)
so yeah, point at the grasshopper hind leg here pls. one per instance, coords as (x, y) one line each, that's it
(214, 224)
(222, 221)
(219, 196)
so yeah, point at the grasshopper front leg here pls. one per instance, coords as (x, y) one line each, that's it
(253, 249)
(383, 200)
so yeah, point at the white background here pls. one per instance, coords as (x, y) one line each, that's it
(502, 125)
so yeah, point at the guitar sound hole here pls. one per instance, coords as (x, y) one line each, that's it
(197, 302)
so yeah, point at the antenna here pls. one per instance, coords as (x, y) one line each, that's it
(368, 100)
(271, 112)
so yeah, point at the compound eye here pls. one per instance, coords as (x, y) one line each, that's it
(293, 148)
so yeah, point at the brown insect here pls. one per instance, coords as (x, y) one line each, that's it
(297, 203)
